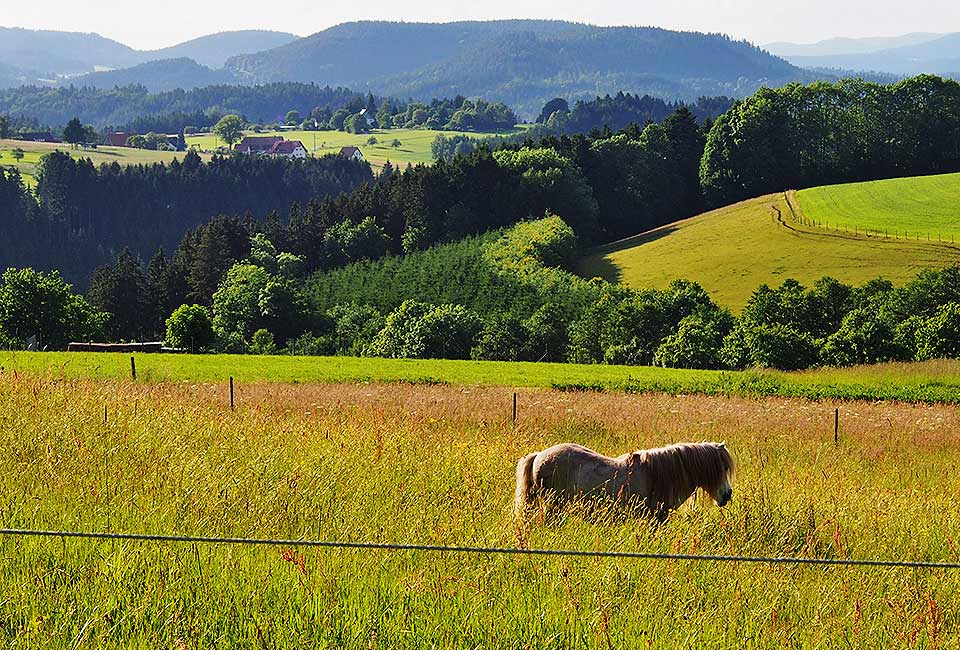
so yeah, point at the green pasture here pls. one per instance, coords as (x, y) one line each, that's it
(920, 207)
(935, 381)
(733, 250)
(414, 147)
(420, 464)
(34, 151)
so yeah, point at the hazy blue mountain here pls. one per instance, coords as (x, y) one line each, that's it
(842, 45)
(214, 50)
(158, 76)
(12, 76)
(70, 54)
(62, 53)
(521, 62)
(938, 56)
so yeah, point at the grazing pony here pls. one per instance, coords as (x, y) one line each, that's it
(654, 480)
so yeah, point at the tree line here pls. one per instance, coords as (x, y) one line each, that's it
(807, 135)
(500, 296)
(80, 216)
(136, 109)
(620, 110)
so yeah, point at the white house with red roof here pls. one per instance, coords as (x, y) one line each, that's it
(353, 153)
(272, 146)
(290, 149)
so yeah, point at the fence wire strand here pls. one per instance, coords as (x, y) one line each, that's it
(480, 550)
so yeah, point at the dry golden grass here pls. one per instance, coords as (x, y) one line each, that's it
(435, 464)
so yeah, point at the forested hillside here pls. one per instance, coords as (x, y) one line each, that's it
(157, 76)
(129, 104)
(523, 63)
(82, 215)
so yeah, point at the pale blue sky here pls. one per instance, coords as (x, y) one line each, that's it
(150, 24)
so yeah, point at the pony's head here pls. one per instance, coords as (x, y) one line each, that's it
(673, 472)
(719, 470)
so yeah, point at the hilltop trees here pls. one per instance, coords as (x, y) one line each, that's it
(229, 129)
(800, 136)
(73, 133)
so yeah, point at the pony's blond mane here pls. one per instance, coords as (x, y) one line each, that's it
(681, 467)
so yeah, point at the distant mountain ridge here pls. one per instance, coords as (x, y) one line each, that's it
(163, 75)
(45, 56)
(939, 55)
(521, 62)
(844, 45)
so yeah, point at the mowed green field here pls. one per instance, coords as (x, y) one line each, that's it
(414, 143)
(930, 381)
(33, 151)
(733, 250)
(925, 207)
(419, 464)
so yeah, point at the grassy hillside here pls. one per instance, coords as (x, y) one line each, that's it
(33, 151)
(414, 143)
(918, 207)
(732, 250)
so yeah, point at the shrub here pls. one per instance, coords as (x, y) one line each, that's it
(190, 327)
(503, 338)
(862, 338)
(263, 343)
(939, 336)
(308, 345)
(696, 344)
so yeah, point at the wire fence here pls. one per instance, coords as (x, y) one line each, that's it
(886, 233)
(477, 550)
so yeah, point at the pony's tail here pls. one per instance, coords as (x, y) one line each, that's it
(524, 483)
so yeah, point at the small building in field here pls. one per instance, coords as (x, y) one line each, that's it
(36, 136)
(353, 153)
(290, 149)
(258, 144)
(118, 139)
(369, 118)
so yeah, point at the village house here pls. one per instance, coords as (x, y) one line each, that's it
(272, 146)
(353, 153)
(290, 149)
(118, 139)
(369, 118)
(258, 144)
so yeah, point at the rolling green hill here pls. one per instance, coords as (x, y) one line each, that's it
(918, 207)
(732, 250)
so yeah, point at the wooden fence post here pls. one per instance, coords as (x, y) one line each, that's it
(231, 394)
(133, 368)
(836, 426)
(514, 408)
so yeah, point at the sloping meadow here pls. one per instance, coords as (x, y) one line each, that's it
(435, 465)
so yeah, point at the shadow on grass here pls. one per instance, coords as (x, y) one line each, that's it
(596, 264)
